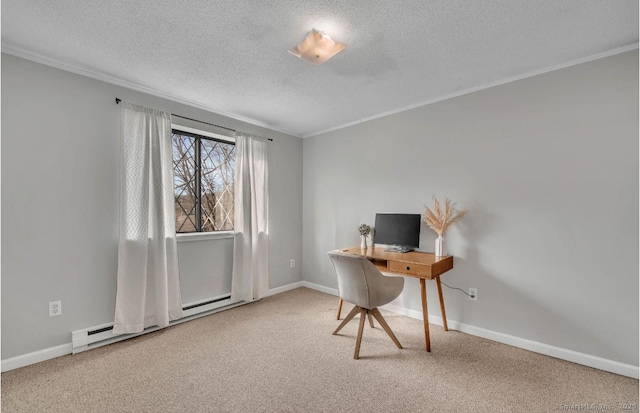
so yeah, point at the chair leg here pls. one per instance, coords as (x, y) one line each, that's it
(385, 326)
(348, 318)
(339, 309)
(370, 319)
(363, 315)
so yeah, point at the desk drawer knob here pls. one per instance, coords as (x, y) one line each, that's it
(408, 268)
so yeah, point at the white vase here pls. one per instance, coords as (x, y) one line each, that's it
(363, 241)
(440, 248)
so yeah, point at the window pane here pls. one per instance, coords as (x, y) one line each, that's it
(218, 161)
(184, 189)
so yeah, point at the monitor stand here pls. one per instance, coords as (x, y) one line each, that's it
(399, 248)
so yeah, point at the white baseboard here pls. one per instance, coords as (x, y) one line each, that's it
(546, 349)
(64, 349)
(535, 346)
(284, 288)
(321, 288)
(35, 357)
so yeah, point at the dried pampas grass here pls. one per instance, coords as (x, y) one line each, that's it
(440, 219)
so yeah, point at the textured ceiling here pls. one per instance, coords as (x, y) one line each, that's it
(231, 56)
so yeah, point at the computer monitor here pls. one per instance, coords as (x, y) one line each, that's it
(400, 231)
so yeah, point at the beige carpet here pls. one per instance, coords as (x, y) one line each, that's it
(278, 355)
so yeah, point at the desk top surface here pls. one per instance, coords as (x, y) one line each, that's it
(379, 253)
(432, 265)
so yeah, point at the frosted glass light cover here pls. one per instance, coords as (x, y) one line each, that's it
(317, 47)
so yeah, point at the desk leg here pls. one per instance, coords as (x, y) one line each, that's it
(340, 308)
(444, 314)
(425, 313)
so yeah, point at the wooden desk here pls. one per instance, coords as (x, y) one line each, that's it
(422, 265)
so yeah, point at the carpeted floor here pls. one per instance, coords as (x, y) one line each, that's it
(278, 355)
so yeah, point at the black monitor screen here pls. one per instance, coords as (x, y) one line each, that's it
(398, 229)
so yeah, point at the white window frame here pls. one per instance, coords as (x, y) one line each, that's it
(210, 235)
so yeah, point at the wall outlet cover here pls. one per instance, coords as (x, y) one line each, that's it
(55, 308)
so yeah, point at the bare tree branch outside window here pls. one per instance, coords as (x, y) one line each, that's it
(215, 196)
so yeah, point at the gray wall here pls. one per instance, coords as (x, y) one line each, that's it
(60, 171)
(548, 167)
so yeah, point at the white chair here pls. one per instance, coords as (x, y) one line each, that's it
(360, 283)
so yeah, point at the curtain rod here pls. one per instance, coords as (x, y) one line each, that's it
(118, 100)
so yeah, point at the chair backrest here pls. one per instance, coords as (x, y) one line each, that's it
(361, 283)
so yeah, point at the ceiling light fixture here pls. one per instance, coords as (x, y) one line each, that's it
(317, 47)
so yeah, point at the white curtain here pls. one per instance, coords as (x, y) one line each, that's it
(250, 277)
(148, 289)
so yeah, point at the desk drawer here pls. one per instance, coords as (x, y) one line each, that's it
(410, 268)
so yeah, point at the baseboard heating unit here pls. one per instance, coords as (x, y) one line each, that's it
(98, 336)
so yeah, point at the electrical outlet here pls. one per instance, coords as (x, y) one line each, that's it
(55, 308)
(473, 294)
(293, 263)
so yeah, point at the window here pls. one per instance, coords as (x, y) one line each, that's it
(203, 169)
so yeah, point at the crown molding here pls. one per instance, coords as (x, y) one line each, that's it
(83, 71)
(104, 77)
(485, 86)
